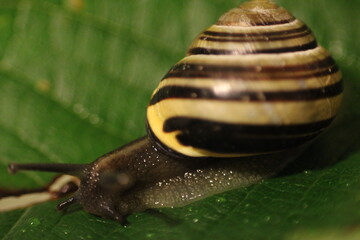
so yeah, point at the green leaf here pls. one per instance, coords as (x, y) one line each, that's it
(75, 78)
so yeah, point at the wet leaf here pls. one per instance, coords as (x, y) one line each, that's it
(75, 78)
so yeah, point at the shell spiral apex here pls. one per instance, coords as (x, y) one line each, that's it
(255, 13)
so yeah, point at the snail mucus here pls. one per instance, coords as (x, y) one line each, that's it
(252, 90)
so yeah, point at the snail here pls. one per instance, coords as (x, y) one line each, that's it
(252, 91)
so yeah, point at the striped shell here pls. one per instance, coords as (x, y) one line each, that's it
(253, 83)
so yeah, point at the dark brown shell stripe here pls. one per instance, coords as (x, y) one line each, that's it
(303, 30)
(208, 93)
(231, 66)
(265, 23)
(298, 71)
(247, 139)
(307, 46)
(234, 138)
(267, 36)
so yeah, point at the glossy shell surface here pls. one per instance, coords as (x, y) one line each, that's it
(253, 83)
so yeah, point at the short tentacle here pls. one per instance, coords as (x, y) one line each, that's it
(63, 205)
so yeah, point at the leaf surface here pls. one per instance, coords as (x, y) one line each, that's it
(75, 79)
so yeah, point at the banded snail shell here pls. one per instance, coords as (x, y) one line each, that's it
(253, 83)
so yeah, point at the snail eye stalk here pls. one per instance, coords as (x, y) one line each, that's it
(66, 168)
(63, 205)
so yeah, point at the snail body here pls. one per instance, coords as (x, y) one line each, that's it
(253, 90)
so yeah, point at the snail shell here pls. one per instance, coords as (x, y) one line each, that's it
(253, 83)
(252, 90)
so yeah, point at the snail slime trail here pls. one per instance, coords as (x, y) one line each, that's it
(252, 91)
